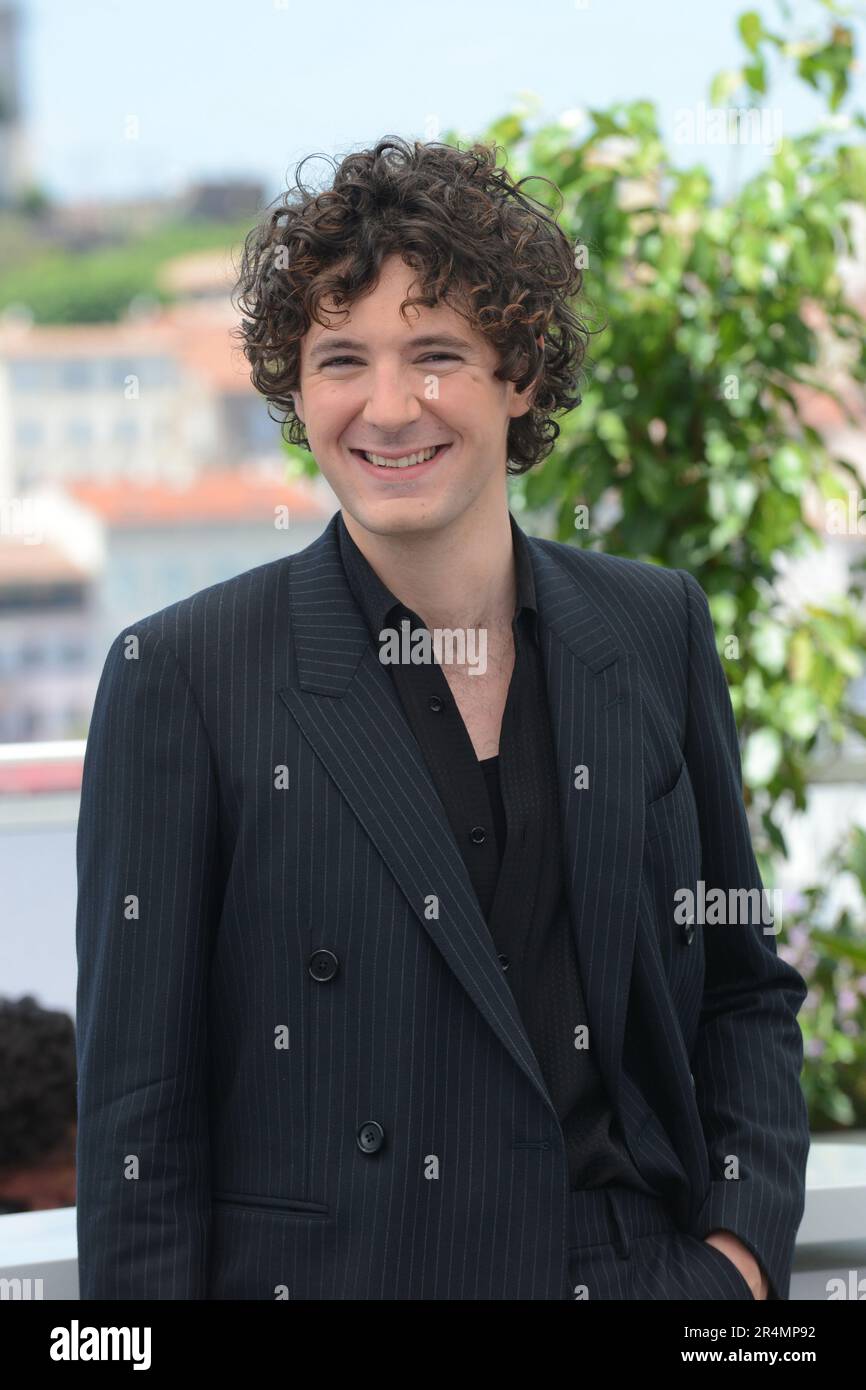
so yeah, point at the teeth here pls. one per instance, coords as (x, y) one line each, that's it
(406, 462)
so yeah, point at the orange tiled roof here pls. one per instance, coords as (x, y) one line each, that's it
(223, 496)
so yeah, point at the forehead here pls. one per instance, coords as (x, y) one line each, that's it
(375, 315)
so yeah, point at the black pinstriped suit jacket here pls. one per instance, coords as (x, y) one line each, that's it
(302, 1073)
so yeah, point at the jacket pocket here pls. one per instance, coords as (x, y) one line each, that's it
(262, 1202)
(728, 1268)
(672, 858)
(664, 813)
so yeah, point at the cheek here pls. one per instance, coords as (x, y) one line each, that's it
(467, 401)
(330, 409)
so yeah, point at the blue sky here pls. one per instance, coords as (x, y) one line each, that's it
(248, 87)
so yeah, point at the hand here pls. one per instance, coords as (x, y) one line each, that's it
(733, 1247)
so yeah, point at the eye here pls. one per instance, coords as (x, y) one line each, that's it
(444, 356)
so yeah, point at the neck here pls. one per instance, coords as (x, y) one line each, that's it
(462, 576)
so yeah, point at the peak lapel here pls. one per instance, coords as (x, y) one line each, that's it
(595, 711)
(347, 708)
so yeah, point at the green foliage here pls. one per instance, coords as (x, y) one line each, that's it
(98, 286)
(832, 960)
(689, 448)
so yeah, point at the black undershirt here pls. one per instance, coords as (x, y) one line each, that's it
(490, 768)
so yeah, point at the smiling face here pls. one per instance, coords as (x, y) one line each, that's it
(379, 383)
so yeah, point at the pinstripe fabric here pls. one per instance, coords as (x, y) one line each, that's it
(627, 1246)
(253, 796)
(520, 888)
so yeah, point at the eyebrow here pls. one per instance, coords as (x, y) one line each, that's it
(323, 348)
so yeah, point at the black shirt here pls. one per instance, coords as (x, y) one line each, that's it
(505, 815)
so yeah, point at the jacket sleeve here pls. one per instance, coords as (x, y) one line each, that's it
(748, 1052)
(147, 905)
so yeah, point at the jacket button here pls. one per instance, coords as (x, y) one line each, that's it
(689, 933)
(504, 961)
(435, 703)
(370, 1137)
(478, 835)
(323, 965)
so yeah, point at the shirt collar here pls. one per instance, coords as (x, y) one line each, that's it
(378, 604)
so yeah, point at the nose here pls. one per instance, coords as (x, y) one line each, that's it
(392, 403)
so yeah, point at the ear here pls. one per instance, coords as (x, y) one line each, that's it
(521, 401)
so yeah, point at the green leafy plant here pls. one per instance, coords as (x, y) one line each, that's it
(832, 960)
(690, 448)
(98, 286)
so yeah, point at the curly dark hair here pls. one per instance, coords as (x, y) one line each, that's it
(38, 1101)
(479, 242)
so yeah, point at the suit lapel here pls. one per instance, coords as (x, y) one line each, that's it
(347, 708)
(595, 710)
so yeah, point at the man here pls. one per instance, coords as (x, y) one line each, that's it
(384, 989)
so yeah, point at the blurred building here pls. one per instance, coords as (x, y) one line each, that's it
(14, 159)
(45, 643)
(158, 397)
(99, 555)
(137, 465)
(162, 542)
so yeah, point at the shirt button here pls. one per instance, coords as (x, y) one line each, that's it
(435, 703)
(478, 834)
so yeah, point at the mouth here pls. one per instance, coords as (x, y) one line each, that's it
(407, 466)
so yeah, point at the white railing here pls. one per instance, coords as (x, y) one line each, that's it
(39, 1255)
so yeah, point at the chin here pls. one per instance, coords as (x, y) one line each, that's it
(394, 521)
